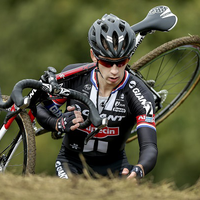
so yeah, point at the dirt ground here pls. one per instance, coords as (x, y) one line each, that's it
(47, 187)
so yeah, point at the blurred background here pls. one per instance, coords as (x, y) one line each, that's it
(41, 33)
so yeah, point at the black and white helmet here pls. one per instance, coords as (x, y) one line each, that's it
(111, 37)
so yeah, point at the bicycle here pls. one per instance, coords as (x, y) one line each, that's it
(170, 71)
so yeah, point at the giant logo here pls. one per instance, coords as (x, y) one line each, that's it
(110, 117)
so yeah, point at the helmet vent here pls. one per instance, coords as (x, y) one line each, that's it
(121, 27)
(111, 37)
(104, 28)
(111, 20)
(125, 41)
(93, 32)
(99, 22)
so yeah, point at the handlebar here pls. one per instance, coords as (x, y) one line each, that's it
(159, 18)
(93, 114)
(16, 95)
(21, 102)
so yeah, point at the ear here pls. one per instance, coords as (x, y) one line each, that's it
(92, 56)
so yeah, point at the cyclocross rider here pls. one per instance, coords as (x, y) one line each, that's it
(118, 95)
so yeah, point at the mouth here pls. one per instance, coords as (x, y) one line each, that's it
(113, 79)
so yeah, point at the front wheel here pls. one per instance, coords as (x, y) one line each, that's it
(17, 146)
(173, 71)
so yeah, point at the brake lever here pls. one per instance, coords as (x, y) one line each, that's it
(11, 114)
(49, 77)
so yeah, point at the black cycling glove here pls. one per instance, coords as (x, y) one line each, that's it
(65, 122)
(138, 171)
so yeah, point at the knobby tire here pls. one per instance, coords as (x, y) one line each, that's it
(28, 139)
(189, 43)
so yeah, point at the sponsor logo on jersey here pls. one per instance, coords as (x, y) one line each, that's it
(149, 109)
(110, 117)
(61, 172)
(74, 146)
(145, 118)
(132, 84)
(119, 107)
(103, 133)
(119, 104)
(136, 91)
(146, 121)
(147, 105)
(54, 109)
(139, 96)
(87, 87)
(121, 110)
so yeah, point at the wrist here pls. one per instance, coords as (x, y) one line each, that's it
(139, 171)
(52, 123)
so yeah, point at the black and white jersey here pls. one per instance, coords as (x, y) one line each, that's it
(130, 103)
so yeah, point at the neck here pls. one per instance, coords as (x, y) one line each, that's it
(104, 88)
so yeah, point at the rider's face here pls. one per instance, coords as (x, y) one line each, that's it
(112, 70)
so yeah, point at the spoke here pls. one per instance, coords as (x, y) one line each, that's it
(175, 72)
(171, 76)
(173, 84)
(163, 66)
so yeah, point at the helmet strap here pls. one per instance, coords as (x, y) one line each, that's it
(97, 70)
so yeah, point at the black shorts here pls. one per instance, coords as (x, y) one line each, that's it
(69, 162)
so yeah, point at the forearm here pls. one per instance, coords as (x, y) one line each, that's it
(148, 149)
(45, 118)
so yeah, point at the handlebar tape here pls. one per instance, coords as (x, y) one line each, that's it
(93, 114)
(17, 98)
(16, 95)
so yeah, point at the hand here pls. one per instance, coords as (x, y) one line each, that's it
(137, 172)
(78, 118)
(69, 120)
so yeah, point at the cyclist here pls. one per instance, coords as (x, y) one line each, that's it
(118, 95)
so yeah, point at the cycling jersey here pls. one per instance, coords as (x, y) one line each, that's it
(130, 103)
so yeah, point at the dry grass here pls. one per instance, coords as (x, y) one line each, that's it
(46, 187)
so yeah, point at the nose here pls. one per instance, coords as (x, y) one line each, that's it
(114, 69)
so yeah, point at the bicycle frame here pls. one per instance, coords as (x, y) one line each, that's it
(159, 18)
(31, 95)
(69, 74)
(141, 29)
(63, 75)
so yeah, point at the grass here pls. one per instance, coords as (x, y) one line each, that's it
(48, 187)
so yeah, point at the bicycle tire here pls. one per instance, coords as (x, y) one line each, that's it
(178, 63)
(23, 161)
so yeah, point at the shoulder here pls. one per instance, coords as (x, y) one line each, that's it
(78, 74)
(136, 82)
(77, 65)
(137, 92)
